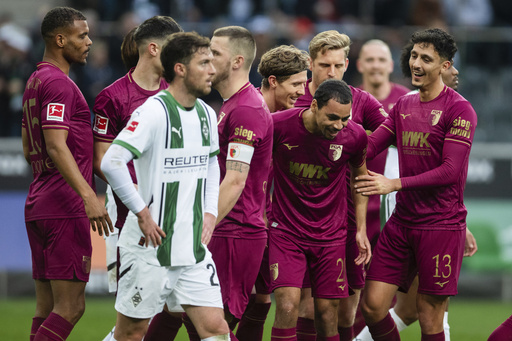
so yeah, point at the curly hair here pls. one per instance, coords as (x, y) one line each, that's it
(59, 17)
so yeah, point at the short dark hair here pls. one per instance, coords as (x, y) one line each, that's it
(443, 42)
(59, 17)
(179, 48)
(157, 27)
(334, 89)
(241, 42)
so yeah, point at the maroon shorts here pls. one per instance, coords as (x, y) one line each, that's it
(238, 262)
(61, 248)
(262, 284)
(355, 273)
(435, 255)
(290, 258)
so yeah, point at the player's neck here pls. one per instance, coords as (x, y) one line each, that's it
(431, 91)
(269, 97)
(312, 87)
(232, 84)
(308, 120)
(379, 91)
(57, 60)
(181, 94)
(146, 76)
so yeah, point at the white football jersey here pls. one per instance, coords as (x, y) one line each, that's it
(172, 146)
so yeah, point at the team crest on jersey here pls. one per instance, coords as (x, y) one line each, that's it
(132, 126)
(221, 116)
(234, 151)
(204, 127)
(274, 271)
(436, 115)
(335, 152)
(136, 299)
(55, 112)
(100, 124)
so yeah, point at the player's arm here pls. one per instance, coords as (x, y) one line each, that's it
(65, 162)
(379, 140)
(100, 148)
(114, 167)
(360, 207)
(211, 199)
(233, 184)
(24, 141)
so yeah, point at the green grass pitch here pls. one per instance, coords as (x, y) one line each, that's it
(469, 320)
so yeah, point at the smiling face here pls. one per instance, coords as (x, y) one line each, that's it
(331, 118)
(200, 73)
(331, 64)
(287, 92)
(426, 66)
(375, 64)
(77, 43)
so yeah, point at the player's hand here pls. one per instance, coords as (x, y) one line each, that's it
(98, 216)
(375, 183)
(208, 227)
(365, 249)
(152, 232)
(470, 248)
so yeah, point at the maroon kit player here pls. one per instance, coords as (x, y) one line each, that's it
(433, 131)
(61, 204)
(313, 148)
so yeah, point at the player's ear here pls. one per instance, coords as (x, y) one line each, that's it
(310, 63)
(60, 40)
(238, 61)
(180, 69)
(446, 65)
(153, 49)
(272, 81)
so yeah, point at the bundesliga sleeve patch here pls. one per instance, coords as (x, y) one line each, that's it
(100, 124)
(240, 152)
(132, 126)
(55, 112)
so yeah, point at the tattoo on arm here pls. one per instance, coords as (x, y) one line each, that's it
(237, 166)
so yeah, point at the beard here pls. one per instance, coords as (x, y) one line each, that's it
(195, 90)
(221, 76)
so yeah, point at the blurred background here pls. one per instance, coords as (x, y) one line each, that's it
(482, 28)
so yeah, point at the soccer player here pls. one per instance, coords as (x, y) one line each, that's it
(404, 313)
(284, 72)
(313, 148)
(173, 139)
(433, 130)
(61, 204)
(113, 108)
(503, 332)
(245, 139)
(329, 60)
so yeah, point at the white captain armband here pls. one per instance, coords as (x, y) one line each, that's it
(240, 152)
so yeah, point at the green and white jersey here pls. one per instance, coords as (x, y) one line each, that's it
(172, 146)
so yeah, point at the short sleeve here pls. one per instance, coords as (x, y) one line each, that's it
(462, 124)
(105, 116)
(58, 105)
(245, 126)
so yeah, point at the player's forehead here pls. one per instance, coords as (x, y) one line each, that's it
(424, 49)
(78, 27)
(220, 44)
(375, 51)
(300, 77)
(336, 55)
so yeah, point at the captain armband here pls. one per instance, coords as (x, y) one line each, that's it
(240, 152)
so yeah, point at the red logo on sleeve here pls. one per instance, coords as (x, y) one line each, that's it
(100, 124)
(55, 112)
(132, 126)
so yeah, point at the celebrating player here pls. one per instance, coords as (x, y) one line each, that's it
(284, 72)
(329, 60)
(61, 204)
(173, 139)
(313, 147)
(433, 130)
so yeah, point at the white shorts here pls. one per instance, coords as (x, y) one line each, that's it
(143, 289)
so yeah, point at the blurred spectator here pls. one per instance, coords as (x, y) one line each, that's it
(428, 13)
(468, 12)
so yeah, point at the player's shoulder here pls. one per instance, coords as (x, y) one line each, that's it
(399, 89)
(209, 110)
(285, 115)
(119, 86)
